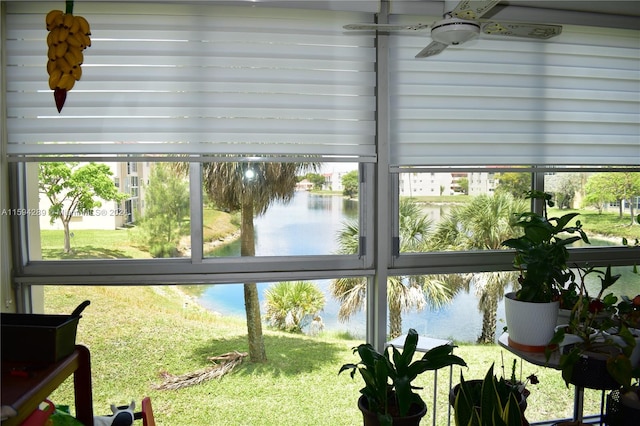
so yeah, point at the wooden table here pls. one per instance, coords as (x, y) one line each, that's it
(24, 387)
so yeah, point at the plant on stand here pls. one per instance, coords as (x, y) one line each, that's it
(597, 344)
(541, 257)
(388, 396)
(623, 404)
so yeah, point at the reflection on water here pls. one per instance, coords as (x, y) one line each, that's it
(308, 225)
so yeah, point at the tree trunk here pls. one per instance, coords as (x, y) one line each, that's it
(489, 311)
(395, 320)
(257, 351)
(67, 236)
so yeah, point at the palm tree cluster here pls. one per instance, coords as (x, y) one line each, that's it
(481, 224)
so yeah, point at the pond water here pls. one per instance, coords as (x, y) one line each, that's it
(310, 226)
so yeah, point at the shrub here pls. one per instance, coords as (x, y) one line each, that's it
(291, 306)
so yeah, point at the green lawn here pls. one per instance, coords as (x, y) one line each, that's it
(609, 224)
(134, 333)
(91, 244)
(122, 243)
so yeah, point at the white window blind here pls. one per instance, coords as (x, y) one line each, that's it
(196, 79)
(571, 100)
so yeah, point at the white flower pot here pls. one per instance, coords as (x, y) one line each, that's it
(635, 355)
(530, 325)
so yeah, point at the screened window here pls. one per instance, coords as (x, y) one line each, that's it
(472, 210)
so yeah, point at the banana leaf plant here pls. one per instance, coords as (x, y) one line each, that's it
(388, 376)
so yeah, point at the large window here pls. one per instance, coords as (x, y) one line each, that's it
(173, 95)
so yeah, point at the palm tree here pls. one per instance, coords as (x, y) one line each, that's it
(251, 188)
(481, 224)
(292, 305)
(403, 293)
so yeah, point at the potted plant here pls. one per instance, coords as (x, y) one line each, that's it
(490, 401)
(541, 257)
(388, 396)
(517, 385)
(600, 346)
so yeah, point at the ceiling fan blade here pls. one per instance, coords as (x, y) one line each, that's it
(432, 49)
(473, 9)
(385, 27)
(521, 29)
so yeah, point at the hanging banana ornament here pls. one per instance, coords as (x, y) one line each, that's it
(68, 37)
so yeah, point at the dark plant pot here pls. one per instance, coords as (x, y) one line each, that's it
(591, 372)
(618, 412)
(413, 418)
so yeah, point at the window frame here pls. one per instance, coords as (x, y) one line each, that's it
(498, 260)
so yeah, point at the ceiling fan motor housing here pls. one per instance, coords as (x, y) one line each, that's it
(454, 31)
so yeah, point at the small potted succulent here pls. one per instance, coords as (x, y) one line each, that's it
(541, 258)
(388, 396)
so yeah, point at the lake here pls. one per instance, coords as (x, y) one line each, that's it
(311, 227)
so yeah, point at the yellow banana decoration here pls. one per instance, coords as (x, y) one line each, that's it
(84, 25)
(54, 78)
(61, 49)
(51, 18)
(68, 36)
(51, 66)
(66, 82)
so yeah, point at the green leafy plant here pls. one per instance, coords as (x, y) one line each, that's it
(388, 378)
(593, 333)
(491, 401)
(541, 252)
(291, 306)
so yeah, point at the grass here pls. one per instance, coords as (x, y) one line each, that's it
(609, 224)
(122, 243)
(134, 333)
(91, 244)
(218, 224)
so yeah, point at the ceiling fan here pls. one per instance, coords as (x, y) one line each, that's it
(463, 23)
